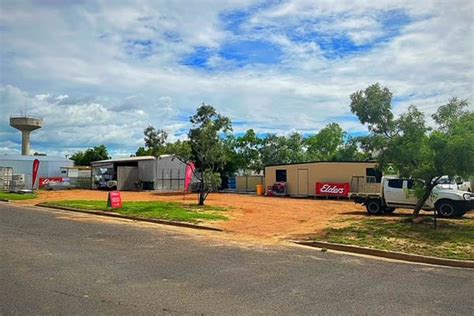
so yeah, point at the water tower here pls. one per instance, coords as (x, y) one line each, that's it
(26, 125)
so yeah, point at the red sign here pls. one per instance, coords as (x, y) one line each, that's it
(332, 189)
(45, 181)
(189, 175)
(36, 164)
(114, 199)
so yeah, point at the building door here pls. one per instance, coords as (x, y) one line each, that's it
(303, 182)
(127, 179)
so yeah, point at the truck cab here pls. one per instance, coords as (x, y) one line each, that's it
(396, 193)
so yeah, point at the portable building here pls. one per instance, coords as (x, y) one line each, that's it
(49, 167)
(321, 178)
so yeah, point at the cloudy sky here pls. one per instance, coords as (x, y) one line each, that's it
(99, 72)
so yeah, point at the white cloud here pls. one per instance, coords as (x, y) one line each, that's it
(100, 74)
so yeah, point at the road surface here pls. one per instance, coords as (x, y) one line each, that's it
(54, 262)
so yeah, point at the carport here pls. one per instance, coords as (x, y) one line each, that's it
(126, 174)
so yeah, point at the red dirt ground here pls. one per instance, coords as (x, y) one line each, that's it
(253, 216)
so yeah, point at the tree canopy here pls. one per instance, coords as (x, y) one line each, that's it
(84, 158)
(415, 149)
(156, 144)
(207, 147)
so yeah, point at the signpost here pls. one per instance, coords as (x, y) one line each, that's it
(114, 199)
(332, 189)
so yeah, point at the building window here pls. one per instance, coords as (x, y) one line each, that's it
(281, 176)
(395, 183)
(373, 175)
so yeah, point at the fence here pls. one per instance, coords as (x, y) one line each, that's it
(170, 180)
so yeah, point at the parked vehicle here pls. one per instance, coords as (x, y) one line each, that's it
(458, 184)
(394, 193)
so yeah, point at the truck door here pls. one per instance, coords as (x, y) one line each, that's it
(393, 192)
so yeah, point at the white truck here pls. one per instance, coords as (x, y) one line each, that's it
(392, 193)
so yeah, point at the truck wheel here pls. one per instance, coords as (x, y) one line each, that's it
(446, 209)
(374, 207)
(389, 210)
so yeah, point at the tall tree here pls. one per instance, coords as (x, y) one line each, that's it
(295, 143)
(274, 150)
(155, 140)
(207, 147)
(325, 144)
(247, 151)
(84, 158)
(413, 148)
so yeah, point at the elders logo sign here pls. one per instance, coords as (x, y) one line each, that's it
(332, 189)
(45, 181)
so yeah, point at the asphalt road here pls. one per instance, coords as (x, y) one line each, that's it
(54, 262)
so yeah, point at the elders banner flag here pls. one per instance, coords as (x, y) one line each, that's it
(36, 164)
(190, 168)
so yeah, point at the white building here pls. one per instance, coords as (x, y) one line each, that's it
(49, 166)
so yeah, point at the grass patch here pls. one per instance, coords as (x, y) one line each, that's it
(453, 239)
(160, 210)
(17, 196)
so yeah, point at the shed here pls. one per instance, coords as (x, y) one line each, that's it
(301, 179)
(170, 173)
(164, 173)
(126, 174)
(49, 167)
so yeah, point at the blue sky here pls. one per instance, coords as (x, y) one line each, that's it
(99, 72)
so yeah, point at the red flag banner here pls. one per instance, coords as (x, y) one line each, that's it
(190, 168)
(36, 164)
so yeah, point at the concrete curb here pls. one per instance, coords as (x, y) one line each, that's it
(116, 215)
(389, 254)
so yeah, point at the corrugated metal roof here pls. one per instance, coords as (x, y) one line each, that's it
(322, 161)
(31, 158)
(124, 159)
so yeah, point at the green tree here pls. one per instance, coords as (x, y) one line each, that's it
(373, 107)
(207, 147)
(178, 148)
(274, 150)
(84, 158)
(141, 151)
(247, 151)
(155, 140)
(351, 151)
(296, 145)
(411, 147)
(326, 144)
